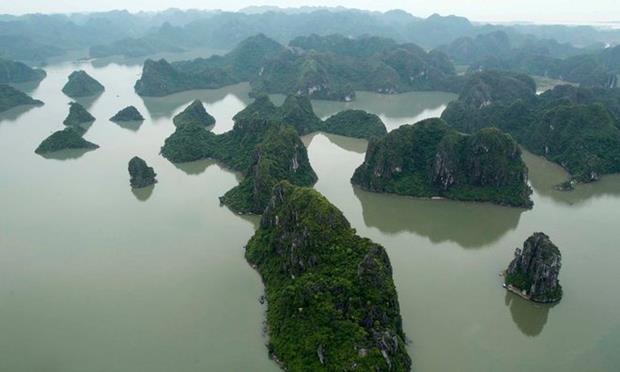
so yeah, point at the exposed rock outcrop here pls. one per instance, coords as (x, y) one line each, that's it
(129, 113)
(194, 113)
(430, 159)
(534, 271)
(77, 115)
(81, 84)
(141, 175)
(332, 304)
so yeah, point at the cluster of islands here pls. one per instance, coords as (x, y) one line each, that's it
(331, 299)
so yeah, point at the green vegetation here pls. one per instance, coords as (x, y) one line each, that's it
(261, 144)
(81, 84)
(129, 113)
(17, 72)
(141, 175)
(77, 115)
(333, 67)
(332, 304)
(430, 159)
(574, 127)
(280, 156)
(535, 269)
(11, 98)
(355, 123)
(68, 138)
(194, 113)
(160, 78)
(322, 71)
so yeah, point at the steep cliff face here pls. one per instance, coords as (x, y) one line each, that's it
(77, 115)
(141, 175)
(331, 300)
(534, 271)
(297, 111)
(280, 156)
(430, 159)
(577, 128)
(81, 84)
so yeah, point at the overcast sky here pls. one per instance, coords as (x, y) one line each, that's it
(542, 11)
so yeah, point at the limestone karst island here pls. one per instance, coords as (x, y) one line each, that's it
(309, 186)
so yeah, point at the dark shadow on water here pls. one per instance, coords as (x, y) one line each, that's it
(544, 175)
(356, 145)
(27, 87)
(87, 102)
(470, 225)
(530, 317)
(14, 113)
(194, 168)
(69, 154)
(164, 107)
(144, 193)
(133, 125)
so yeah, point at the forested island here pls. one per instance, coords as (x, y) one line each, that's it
(129, 113)
(534, 271)
(195, 113)
(590, 67)
(77, 115)
(331, 299)
(80, 84)
(261, 144)
(11, 98)
(264, 144)
(68, 138)
(17, 72)
(141, 175)
(323, 67)
(578, 128)
(429, 159)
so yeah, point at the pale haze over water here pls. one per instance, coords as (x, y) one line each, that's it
(596, 12)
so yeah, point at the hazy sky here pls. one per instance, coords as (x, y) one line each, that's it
(562, 11)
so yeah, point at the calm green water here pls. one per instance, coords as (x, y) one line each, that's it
(94, 277)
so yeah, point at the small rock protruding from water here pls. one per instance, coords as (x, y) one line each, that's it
(81, 84)
(77, 115)
(141, 175)
(533, 273)
(129, 113)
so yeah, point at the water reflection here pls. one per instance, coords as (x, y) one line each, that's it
(69, 154)
(193, 168)
(144, 193)
(132, 125)
(544, 175)
(27, 87)
(356, 145)
(169, 56)
(394, 110)
(14, 113)
(438, 220)
(529, 317)
(164, 107)
(87, 102)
